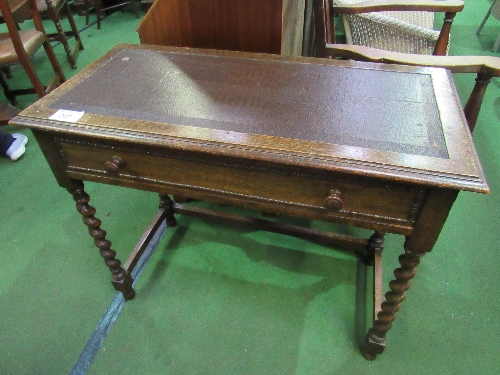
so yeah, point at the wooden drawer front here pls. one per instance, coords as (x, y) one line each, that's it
(332, 196)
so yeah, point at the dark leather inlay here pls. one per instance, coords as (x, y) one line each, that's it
(355, 107)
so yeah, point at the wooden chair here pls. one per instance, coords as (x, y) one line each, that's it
(494, 10)
(52, 9)
(18, 47)
(485, 68)
(393, 25)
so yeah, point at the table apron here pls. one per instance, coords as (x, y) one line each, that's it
(279, 188)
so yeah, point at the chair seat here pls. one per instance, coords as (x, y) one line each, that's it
(386, 33)
(32, 40)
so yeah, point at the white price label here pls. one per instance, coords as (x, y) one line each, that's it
(68, 116)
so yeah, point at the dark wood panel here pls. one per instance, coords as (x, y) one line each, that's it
(239, 25)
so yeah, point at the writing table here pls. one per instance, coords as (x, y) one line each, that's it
(380, 147)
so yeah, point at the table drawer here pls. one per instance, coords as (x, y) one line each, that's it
(262, 186)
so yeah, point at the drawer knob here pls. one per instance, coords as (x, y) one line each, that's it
(333, 201)
(114, 165)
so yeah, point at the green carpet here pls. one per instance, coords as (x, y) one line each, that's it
(216, 299)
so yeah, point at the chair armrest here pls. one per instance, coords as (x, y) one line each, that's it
(450, 6)
(489, 65)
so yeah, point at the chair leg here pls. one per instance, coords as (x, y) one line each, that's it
(71, 53)
(54, 62)
(496, 46)
(73, 26)
(485, 18)
(6, 89)
(98, 13)
(35, 80)
(87, 11)
(134, 8)
(473, 105)
(7, 72)
(61, 35)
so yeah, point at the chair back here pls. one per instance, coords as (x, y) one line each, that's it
(405, 27)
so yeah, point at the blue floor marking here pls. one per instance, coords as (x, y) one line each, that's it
(94, 344)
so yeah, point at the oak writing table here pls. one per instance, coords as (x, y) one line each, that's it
(380, 147)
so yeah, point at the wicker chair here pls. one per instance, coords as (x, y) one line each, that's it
(400, 26)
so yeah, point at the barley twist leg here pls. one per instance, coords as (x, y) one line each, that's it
(375, 338)
(167, 203)
(121, 279)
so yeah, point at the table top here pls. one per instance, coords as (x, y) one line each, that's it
(385, 121)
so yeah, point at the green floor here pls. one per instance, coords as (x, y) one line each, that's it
(221, 300)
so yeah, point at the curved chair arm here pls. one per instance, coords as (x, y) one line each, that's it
(485, 67)
(453, 6)
(456, 64)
